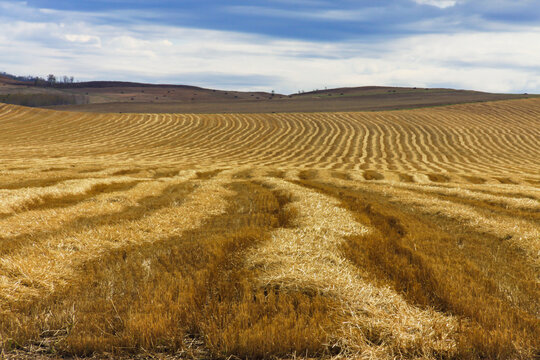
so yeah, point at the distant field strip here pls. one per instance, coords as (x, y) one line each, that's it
(409, 234)
(481, 142)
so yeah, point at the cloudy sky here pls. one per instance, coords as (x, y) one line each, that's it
(286, 45)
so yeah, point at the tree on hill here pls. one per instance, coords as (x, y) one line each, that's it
(51, 79)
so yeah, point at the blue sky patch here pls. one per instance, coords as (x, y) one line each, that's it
(279, 44)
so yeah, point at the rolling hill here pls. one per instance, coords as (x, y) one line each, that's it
(129, 97)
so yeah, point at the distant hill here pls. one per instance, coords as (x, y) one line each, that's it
(184, 99)
(8, 79)
(118, 84)
(123, 96)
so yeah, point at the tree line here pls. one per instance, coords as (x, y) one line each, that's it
(51, 80)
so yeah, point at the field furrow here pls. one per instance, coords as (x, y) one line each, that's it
(409, 234)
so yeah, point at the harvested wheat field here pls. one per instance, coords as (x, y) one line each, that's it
(408, 234)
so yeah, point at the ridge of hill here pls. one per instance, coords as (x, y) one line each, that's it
(8, 80)
(131, 97)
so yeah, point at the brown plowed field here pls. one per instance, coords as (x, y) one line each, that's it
(403, 234)
(158, 99)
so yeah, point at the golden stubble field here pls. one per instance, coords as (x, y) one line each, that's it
(408, 234)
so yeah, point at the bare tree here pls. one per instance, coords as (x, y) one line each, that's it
(51, 79)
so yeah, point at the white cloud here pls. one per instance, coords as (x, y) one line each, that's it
(443, 4)
(494, 61)
(82, 38)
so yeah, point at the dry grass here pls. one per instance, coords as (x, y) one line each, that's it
(32, 197)
(190, 286)
(375, 321)
(488, 285)
(457, 144)
(407, 234)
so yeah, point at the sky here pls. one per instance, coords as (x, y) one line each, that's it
(282, 45)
